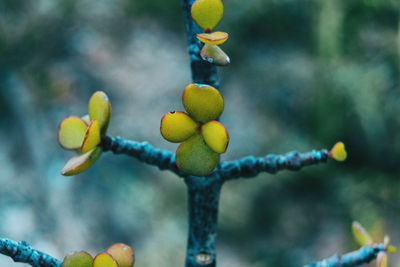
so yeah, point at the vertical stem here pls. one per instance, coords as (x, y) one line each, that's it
(203, 197)
(203, 193)
(202, 71)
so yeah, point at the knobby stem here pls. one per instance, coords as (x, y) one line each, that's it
(203, 192)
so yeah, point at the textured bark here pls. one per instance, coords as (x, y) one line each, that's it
(203, 197)
(22, 252)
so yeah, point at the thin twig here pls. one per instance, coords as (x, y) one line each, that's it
(144, 152)
(358, 257)
(250, 166)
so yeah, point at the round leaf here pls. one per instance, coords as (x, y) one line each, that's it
(80, 163)
(71, 133)
(215, 136)
(207, 13)
(78, 259)
(204, 103)
(215, 38)
(177, 126)
(194, 157)
(338, 152)
(123, 254)
(214, 55)
(104, 260)
(100, 109)
(92, 137)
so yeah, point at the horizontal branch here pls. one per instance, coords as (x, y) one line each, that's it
(246, 167)
(358, 257)
(144, 152)
(251, 166)
(22, 252)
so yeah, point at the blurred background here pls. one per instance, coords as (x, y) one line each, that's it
(304, 74)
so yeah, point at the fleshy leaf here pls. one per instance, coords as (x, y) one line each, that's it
(215, 55)
(177, 126)
(78, 259)
(381, 260)
(207, 13)
(71, 133)
(204, 103)
(338, 152)
(104, 260)
(100, 109)
(361, 235)
(194, 157)
(92, 137)
(79, 163)
(216, 136)
(214, 38)
(123, 254)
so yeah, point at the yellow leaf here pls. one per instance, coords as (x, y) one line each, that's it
(215, 55)
(100, 109)
(203, 102)
(71, 133)
(338, 152)
(104, 260)
(194, 157)
(207, 13)
(123, 254)
(215, 38)
(361, 235)
(79, 163)
(92, 137)
(177, 126)
(381, 260)
(78, 259)
(215, 136)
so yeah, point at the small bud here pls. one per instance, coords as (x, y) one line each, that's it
(338, 152)
(203, 258)
(215, 55)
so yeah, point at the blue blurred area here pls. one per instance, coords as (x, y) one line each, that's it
(304, 75)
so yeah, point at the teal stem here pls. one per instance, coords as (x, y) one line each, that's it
(362, 256)
(204, 192)
(203, 72)
(22, 252)
(251, 166)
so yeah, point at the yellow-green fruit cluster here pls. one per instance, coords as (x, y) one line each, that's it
(117, 255)
(202, 137)
(84, 134)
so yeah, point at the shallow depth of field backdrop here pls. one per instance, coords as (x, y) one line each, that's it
(304, 74)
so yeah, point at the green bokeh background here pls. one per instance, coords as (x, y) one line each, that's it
(304, 74)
